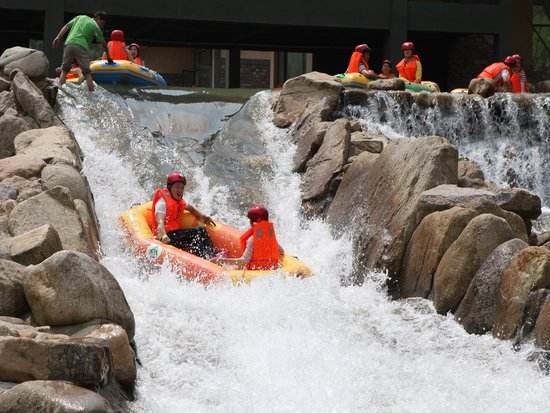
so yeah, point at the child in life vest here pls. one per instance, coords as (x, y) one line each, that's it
(261, 251)
(134, 54)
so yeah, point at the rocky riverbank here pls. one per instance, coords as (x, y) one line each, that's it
(420, 212)
(65, 326)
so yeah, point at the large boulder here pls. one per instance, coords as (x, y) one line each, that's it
(361, 142)
(519, 201)
(67, 176)
(464, 257)
(27, 354)
(31, 62)
(52, 396)
(447, 196)
(7, 101)
(71, 288)
(12, 295)
(308, 141)
(11, 125)
(477, 309)
(89, 224)
(34, 246)
(305, 91)
(124, 365)
(32, 101)
(378, 197)
(542, 326)
(327, 162)
(529, 270)
(53, 145)
(21, 165)
(54, 207)
(429, 242)
(482, 87)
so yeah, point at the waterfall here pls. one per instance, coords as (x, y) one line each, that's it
(278, 345)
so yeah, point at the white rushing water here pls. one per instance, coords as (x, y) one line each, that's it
(283, 345)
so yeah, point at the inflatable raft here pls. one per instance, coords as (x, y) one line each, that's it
(360, 81)
(136, 223)
(123, 72)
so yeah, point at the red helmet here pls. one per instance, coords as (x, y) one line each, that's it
(117, 35)
(134, 45)
(510, 61)
(407, 46)
(174, 177)
(362, 48)
(257, 213)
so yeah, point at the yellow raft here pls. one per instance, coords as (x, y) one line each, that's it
(360, 81)
(136, 223)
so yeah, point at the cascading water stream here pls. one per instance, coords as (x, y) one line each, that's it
(280, 345)
(509, 136)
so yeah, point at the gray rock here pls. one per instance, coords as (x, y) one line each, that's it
(67, 176)
(32, 101)
(4, 85)
(54, 207)
(380, 199)
(7, 101)
(327, 162)
(464, 257)
(12, 296)
(542, 326)
(8, 192)
(483, 87)
(543, 86)
(11, 125)
(307, 90)
(477, 310)
(53, 145)
(33, 63)
(52, 396)
(308, 143)
(470, 174)
(89, 224)
(71, 288)
(21, 165)
(386, 84)
(360, 142)
(34, 246)
(26, 188)
(528, 270)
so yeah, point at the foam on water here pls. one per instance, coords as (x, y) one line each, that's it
(286, 345)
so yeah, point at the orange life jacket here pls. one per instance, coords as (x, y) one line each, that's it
(492, 71)
(138, 61)
(117, 50)
(265, 248)
(355, 61)
(516, 82)
(174, 210)
(407, 68)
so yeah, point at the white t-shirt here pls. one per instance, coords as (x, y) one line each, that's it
(160, 206)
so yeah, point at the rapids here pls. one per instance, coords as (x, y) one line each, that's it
(278, 345)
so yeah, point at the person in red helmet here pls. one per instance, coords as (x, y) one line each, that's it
(409, 67)
(134, 54)
(117, 46)
(518, 77)
(261, 251)
(359, 62)
(386, 71)
(168, 209)
(499, 73)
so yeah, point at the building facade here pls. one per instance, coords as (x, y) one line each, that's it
(239, 43)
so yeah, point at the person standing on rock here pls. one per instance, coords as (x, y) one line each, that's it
(82, 31)
(519, 77)
(359, 62)
(409, 67)
(261, 251)
(168, 209)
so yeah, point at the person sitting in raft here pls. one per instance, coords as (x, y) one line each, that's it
(117, 46)
(168, 209)
(359, 62)
(261, 251)
(133, 54)
(500, 74)
(518, 76)
(409, 67)
(387, 72)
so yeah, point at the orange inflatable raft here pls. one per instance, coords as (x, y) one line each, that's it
(136, 223)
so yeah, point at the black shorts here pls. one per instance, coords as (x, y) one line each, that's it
(193, 240)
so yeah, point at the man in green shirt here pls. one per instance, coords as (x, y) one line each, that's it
(83, 30)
